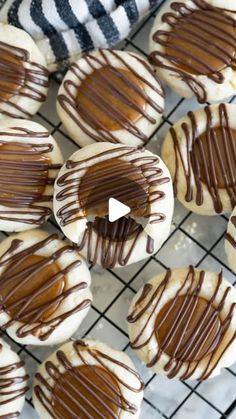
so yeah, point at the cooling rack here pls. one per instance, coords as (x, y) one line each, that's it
(193, 240)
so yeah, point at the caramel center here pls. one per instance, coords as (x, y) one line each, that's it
(117, 179)
(188, 329)
(23, 174)
(26, 284)
(86, 391)
(107, 97)
(12, 74)
(213, 157)
(201, 42)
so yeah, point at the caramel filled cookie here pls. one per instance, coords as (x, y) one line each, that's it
(29, 162)
(85, 379)
(110, 96)
(193, 48)
(44, 288)
(13, 382)
(138, 179)
(182, 323)
(200, 152)
(23, 74)
(230, 241)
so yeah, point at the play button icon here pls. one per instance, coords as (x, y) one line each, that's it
(117, 209)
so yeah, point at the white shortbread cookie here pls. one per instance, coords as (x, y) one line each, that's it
(82, 123)
(65, 308)
(223, 4)
(13, 382)
(203, 171)
(87, 353)
(230, 241)
(214, 87)
(202, 342)
(22, 208)
(24, 75)
(71, 214)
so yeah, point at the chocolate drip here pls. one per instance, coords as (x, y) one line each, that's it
(211, 159)
(200, 41)
(7, 382)
(111, 238)
(207, 332)
(35, 321)
(24, 175)
(129, 97)
(229, 236)
(19, 77)
(142, 169)
(103, 389)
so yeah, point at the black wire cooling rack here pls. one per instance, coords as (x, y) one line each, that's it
(193, 240)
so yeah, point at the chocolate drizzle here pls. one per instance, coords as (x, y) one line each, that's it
(128, 97)
(6, 384)
(208, 332)
(210, 159)
(102, 392)
(35, 320)
(229, 236)
(111, 240)
(201, 41)
(24, 176)
(19, 77)
(111, 236)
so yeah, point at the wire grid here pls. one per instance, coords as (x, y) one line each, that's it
(193, 240)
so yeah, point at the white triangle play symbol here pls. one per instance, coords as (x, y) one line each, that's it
(116, 209)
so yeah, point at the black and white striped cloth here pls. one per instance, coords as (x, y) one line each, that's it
(63, 29)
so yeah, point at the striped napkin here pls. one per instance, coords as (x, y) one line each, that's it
(63, 29)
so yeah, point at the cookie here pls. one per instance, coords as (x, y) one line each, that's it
(29, 162)
(230, 241)
(23, 74)
(87, 378)
(135, 177)
(13, 382)
(44, 288)
(182, 323)
(192, 46)
(200, 152)
(110, 95)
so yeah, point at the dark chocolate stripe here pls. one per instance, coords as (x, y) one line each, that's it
(7, 382)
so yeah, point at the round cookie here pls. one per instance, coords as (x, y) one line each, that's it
(230, 241)
(200, 152)
(23, 74)
(192, 46)
(44, 288)
(110, 95)
(182, 324)
(13, 382)
(138, 179)
(29, 162)
(87, 376)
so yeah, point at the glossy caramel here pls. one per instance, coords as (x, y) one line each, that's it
(108, 84)
(184, 324)
(23, 279)
(86, 391)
